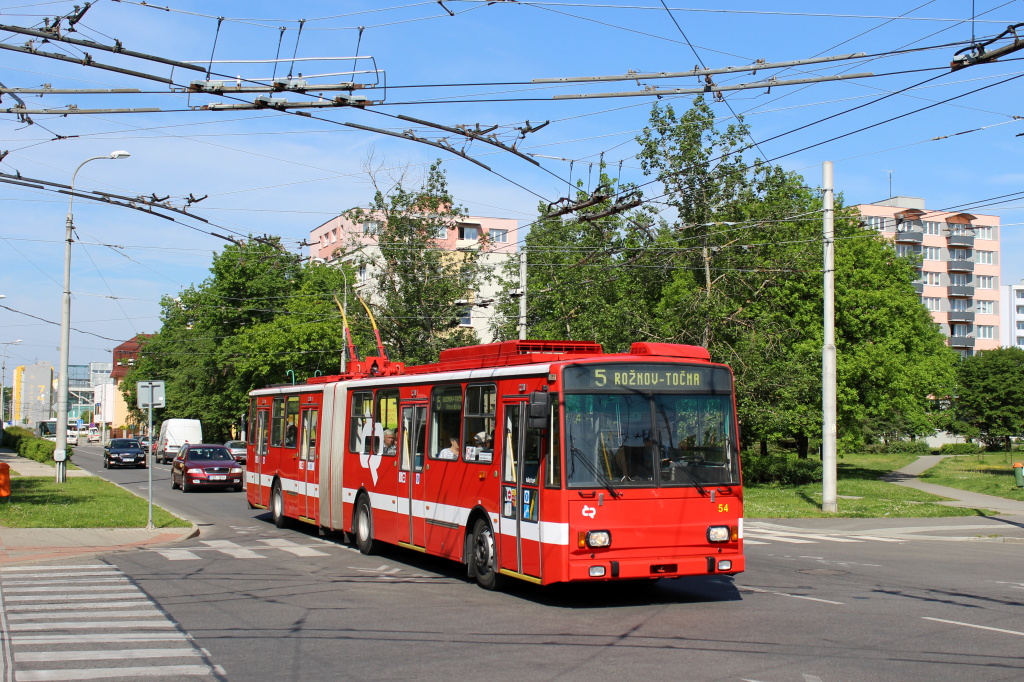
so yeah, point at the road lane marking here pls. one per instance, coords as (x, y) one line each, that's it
(232, 549)
(972, 625)
(45, 656)
(178, 554)
(293, 547)
(138, 613)
(133, 594)
(67, 607)
(794, 596)
(79, 638)
(112, 673)
(23, 627)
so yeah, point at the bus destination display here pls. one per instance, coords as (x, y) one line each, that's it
(648, 376)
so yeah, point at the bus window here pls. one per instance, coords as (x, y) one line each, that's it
(553, 472)
(309, 419)
(291, 429)
(479, 425)
(362, 416)
(446, 419)
(277, 423)
(387, 417)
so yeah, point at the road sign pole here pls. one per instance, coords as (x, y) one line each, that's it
(149, 459)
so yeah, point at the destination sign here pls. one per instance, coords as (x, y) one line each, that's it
(647, 377)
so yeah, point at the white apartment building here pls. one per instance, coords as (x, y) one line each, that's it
(959, 281)
(502, 244)
(1012, 302)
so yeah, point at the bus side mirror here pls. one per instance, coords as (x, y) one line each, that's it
(539, 410)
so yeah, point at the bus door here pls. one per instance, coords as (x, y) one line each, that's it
(412, 428)
(519, 534)
(309, 495)
(255, 464)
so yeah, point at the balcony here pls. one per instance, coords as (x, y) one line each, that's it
(960, 291)
(961, 342)
(919, 287)
(959, 316)
(960, 240)
(960, 265)
(911, 237)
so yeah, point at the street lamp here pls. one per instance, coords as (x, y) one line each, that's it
(65, 329)
(3, 377)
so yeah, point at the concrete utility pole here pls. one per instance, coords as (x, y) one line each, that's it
(522, 294)
(828, 351)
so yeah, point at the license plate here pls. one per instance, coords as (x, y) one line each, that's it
(218, 478)
(128, 459)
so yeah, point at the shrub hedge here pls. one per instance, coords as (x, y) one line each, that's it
(960, 449)
(782, 469)
(29, 445)
(899, 447)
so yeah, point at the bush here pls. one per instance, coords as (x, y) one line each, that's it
(29, 445)
(960, 449)
(899, 447)
(781, 469)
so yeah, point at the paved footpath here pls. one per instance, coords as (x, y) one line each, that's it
(25, 545)
(908, 476)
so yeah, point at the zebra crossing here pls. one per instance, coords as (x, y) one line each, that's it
(766, 534)
(236, 551)
(89, 622)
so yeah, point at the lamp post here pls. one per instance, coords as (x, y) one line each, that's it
(3, 379)
(59, 453)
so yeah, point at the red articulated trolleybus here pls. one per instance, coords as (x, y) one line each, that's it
(547, 461)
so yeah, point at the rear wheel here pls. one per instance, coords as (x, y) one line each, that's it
(364, 527)
(277, 506)
(484, 558)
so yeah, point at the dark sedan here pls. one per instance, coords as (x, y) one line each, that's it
(205, 466)
(124, 452)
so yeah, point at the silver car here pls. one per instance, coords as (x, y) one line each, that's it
(237, 450)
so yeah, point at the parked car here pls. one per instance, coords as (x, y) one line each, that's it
(124, 452)
(72, 436)
(174, 433)
(203, 465)
(237, 450)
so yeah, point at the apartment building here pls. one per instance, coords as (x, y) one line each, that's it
(959, 253)
(1012, 302)
(340, 235)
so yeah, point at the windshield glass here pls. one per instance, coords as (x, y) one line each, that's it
(119, 443)
(645, 440)
(209, 454)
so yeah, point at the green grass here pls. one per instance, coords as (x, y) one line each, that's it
(861, 495)
(991, 474)
(87, 502)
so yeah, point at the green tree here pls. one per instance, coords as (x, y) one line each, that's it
(990, 394)
(418, 289)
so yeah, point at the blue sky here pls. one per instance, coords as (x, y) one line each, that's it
(270, 172)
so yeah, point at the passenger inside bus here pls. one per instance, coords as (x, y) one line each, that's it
(388, 447)
(291, 436)
(452, 451)
(634, 461)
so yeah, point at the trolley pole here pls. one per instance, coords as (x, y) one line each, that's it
(828, 351)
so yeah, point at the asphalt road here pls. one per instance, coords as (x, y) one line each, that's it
(870, 599)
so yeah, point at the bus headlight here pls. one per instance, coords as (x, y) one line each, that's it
(718, 533)
(594, 539)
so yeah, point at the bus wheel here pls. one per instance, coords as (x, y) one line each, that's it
(484, 558)
(363, 529)
(277, 506)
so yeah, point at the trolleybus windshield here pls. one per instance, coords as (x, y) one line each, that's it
(643, 434)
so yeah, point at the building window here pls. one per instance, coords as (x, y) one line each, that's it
(965, 352)
(438, 231)
(362, 273)
(1020, 340)
(961, 330)
(959, 279)
(959, 254)
(1020, 325)
(873, 222)
(958, 229)
(986, 307)
(985, 257)
(1019, 293)
(931, 227)
(499, 236)
(371, 227)
(469, 232)
(908, 250)
(933, 279)
(1020, 310)
(987, 232)
(986, 281)
(933, 304)
(986, 331)
(932, 253)
(960, 305)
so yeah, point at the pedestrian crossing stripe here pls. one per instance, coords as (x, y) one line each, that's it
(237, 551)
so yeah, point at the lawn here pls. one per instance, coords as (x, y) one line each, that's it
(860, 494)
(989, 473)
(86, 502)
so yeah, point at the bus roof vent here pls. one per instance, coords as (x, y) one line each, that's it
(670, 350)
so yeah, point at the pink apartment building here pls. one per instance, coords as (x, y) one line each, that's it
(503, 240)
(959, 281)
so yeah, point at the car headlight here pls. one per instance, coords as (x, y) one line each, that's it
(236, 470)
(594, 539)
(196, 472)
(718, 533)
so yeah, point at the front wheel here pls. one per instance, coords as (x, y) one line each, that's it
(364, 527)
(185, 487)
(484, 557)
(277, 506)
(106, 463)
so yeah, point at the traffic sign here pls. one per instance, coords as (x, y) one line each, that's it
(150, 394)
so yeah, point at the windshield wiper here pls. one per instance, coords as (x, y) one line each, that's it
(578, 455)
(689, 475)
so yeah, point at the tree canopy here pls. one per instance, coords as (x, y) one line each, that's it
(989, 402)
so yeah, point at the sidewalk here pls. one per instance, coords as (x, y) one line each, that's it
(27, 545)
(908, 476)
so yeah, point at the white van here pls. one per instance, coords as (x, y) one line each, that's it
(173, 434)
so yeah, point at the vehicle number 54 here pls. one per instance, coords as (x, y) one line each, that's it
(722, 508)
